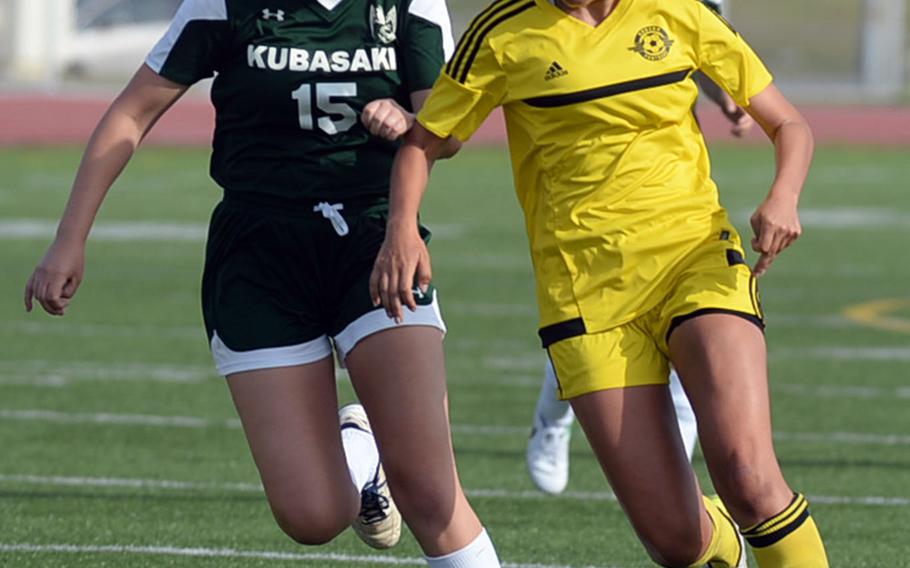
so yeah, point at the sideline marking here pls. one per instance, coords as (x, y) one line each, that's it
(524, 495)
(879, 314)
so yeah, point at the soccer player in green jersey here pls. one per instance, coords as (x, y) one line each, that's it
(309, 97)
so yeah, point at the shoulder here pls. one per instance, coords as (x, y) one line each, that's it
(715, 5)
(203, 10)
(504, 17)
(431, 10)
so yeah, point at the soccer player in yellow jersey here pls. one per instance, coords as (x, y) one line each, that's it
(637, 264)
(547, 454)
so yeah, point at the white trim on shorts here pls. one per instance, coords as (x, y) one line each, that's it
(228, 361)
(377, 320)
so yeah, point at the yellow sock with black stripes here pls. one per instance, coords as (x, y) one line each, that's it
(790, 539)
(725, 549)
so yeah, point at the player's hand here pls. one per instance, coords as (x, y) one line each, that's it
(56, 279)
(775, 226)
(741, 121)
(386, 119)
(403, 254)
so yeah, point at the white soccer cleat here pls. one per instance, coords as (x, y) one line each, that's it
(379, 522)
(548, 456)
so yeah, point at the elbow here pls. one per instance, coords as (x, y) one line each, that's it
(795, 129)
(451, 147)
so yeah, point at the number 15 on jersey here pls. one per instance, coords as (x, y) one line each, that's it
(340, 116)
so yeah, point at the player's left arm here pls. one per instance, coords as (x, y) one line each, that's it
(776, 221)
(404, 257)
(725, 57)
(387, 119)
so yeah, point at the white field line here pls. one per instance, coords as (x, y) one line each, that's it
(847, 218)
(533, 360)
(897, 353)
(529, 368)
(193, 422)
(54, 417)
(854, 217)
(163, 231)
(844, 353)
(491, 310)
(477, 493)
(842, 391)
(128, 231)
(322, 557)
(104, 330)
(62, 372)
(46, 374)
(120, 550)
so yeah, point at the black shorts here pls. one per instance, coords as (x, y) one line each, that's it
(280, 280)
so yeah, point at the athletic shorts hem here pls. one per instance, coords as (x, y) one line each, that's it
(377, 320)
(679, 320)
(575, 391)
(229, 362)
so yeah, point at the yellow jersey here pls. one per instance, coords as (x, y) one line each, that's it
(609, 163)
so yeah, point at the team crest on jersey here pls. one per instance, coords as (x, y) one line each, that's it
(384, 24)
(653, 43)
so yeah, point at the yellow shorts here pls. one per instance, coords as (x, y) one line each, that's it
(714, 279)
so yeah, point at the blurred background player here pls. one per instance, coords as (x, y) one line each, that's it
(551, 429)
(308, 99)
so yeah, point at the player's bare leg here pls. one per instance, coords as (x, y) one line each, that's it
(634, 435)
(399, 376)
(290, 418)
(722, 362)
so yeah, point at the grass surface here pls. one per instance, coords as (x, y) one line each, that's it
(87, 403)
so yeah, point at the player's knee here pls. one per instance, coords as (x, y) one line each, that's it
(315, 522)
(312, 529)
(678, 546)
(426, 501)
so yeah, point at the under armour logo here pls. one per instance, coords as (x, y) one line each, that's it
(277, 14)
(418, 293)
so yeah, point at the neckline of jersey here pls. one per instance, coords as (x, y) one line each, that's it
(328, 14)
(621, 7)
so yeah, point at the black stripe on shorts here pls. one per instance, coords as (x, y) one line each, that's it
(562, 330)
(678, 320)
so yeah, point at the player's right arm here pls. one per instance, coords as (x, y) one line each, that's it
(121, 129)
(189, 51)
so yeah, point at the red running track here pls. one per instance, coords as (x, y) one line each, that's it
(37, 119)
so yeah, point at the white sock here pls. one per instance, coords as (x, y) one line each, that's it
(685, 416)
(479, 554)
(361, 454)
(551, 410)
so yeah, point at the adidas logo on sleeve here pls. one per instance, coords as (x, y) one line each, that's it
(555, 72)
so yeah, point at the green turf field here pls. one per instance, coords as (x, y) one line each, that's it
(120, 447)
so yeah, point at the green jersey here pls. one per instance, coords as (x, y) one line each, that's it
(292, 77)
